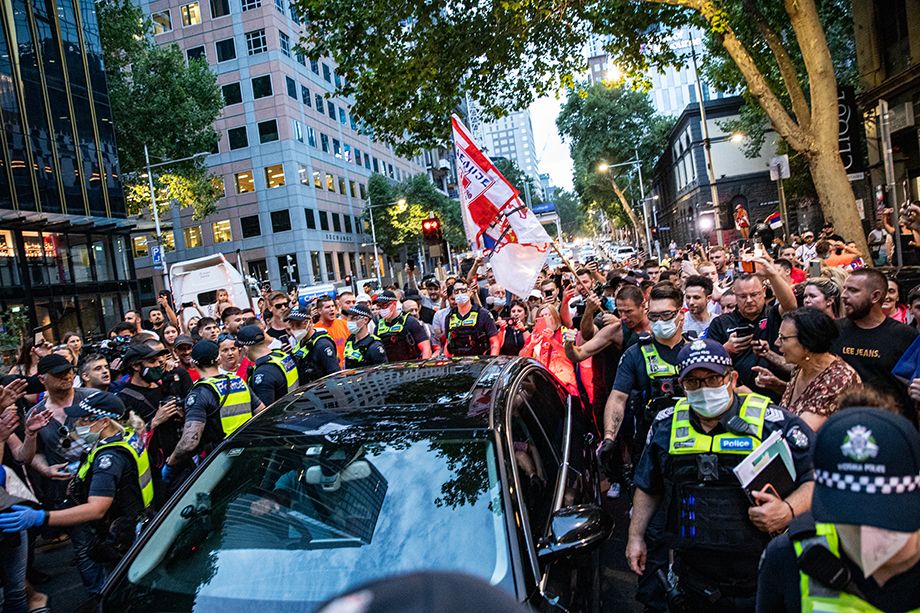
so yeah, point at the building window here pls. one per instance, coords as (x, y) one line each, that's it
(258, 269)
(324, 220)
(296, 18)
(297, 128)
(222, 233)
(353, 189)
(314, 66)
(281, 221)
(248, 5)
(303, 174)
(331, 108)
(226, 50)
(327, 74)
(324, 142)
(347, 220)
(232, 94)
(311, 136)
(291, 87)
(238, 138)
(336, 148)
(196, 53)
(363, 189)
(330, 271)
(268, 131)
(330, 183)
(376, 167)
(357, 156)
(162, 23)
(285, 43)
(287, 264)
(192, 237)
(347, 152)
(305, 94)
(336, 223)
(341, 186)
(274, 176)
(191, 14)
(250, 226)
(256, 42)
(244, 182)
(262, 86)
(220, 8)
(343, 119)
(311, 219)
(314, 260)
(317, 179)
(279, 4)
(139, 246)
(367, 161)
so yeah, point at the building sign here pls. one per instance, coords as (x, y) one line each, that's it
(544, 207)
(849, 129)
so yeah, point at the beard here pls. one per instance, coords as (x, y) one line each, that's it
(858, 311)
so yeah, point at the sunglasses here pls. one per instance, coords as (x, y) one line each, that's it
(225, 336)
(281, 305)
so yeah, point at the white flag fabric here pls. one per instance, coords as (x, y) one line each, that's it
(495, 218)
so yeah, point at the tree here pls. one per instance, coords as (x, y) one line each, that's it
(409, 65)
(518, 179)
(160, 100)
(612, 125)
(572, 214)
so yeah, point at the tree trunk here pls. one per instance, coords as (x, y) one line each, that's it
(636, 224)
(836, 196)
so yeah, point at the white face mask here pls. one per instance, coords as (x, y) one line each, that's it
(89, 437)
(298, 335)
(353, 326)
(709, 402)
(664, 329)
(870, 547)
(463, 298)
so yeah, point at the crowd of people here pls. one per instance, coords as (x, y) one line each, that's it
(684, 365)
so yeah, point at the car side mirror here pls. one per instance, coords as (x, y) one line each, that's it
(574, 530)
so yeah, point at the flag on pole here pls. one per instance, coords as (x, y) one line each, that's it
(495, 219)
(774, 221)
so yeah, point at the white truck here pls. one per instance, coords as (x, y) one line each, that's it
(198, 281)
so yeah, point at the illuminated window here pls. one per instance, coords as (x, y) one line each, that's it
(169, 241)
(191, 14)
(221, 231)
(317, 179)
(353, 189)
(302, 175)
(244, 182)
(192, 237)
(139, 245)
(341, 186)
(274, 176)
(161, 23)
(330, 183)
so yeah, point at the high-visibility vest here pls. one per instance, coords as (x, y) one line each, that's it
(235, 400)
(655, 366)
(685, 439)
(462, 337)
(354, 356)
(141, 461)
(287, 365)
(397, 340)
(815, 595)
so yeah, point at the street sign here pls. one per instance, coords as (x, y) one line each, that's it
(156, 255)
(779, 167)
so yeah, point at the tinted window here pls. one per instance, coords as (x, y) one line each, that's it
(237, 137)
(195, 53)
(250, 226)
(268, 131)
(311, 219)
(262, 86)
(281, 221)
(225, 50)
(232, 93)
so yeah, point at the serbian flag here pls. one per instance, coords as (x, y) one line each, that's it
(495, 219)
(774, 221)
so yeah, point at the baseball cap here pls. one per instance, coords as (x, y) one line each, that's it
(140, 352)
(298, 314)
(385, 296)
(359, 310)
(867, 470)
(205, 352)
(362, 297)
(183, 339)
(97, 405)
(250, 335)
(423, 592)
(54, 364)
(703, 353)
(535, 293)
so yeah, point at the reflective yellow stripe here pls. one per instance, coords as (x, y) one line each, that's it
(685, 439)
(395, 328)
(655, 366)
(468, 322)
(287, 366)
(141, 462)
(235, 398)
(815, 595)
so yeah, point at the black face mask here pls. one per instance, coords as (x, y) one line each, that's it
(152, 374)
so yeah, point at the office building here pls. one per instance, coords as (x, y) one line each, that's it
(511, 137)
(294, 160)
(64, 240)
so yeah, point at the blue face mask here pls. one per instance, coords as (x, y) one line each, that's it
(609, 304)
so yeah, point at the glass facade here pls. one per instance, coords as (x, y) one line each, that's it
(66, 253)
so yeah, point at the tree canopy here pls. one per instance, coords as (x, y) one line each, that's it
(160, 100)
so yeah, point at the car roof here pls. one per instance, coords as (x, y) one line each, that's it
(447, 394)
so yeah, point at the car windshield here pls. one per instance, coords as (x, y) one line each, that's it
(293, 524)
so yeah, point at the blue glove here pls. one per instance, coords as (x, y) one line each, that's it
(22, 518)
(168, 473)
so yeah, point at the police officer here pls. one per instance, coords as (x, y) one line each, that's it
(274, 372)
(646, 376)
(403, 336)
(314, 350)
(110, 495)
(215, 407)
(362, 348)
(470, 328)
(717, 536)
(859, 548)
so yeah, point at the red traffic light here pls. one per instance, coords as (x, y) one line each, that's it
(431, 230)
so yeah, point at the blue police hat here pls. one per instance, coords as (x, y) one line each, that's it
(205, 353)
(250, 335)
(97, 405)
(703, 353)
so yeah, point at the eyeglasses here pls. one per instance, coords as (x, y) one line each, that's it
(754, 296)
(783, 339)
(694, 383)
(662, 316)
(281, 305)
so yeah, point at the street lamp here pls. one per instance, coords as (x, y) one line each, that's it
(153, 204)
(370, 209)
(605, 168)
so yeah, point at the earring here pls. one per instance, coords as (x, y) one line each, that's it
(807, 357)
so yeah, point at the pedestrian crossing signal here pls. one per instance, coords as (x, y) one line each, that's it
(431, 231)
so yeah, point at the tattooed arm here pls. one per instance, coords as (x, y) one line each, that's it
(188, 443)
(613, 414)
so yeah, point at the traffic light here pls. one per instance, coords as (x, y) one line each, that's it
(431, 231)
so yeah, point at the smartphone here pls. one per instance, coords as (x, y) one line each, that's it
(186, 305)
(814, 268)
(742, 331)
(748, 266)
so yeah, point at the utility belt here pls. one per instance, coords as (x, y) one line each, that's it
(467, 343)
(695, 592)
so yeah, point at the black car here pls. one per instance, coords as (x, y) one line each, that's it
(482, 466)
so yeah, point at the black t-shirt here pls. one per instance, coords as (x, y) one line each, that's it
(779, 584)
(281, 335)
(766, 327)
(513, 342)
(144, 401)
(267, 381)
(873, 353)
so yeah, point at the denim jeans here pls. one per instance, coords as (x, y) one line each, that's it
(14, 552)
(93, 573)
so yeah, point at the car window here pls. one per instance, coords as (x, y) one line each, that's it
(548, 405)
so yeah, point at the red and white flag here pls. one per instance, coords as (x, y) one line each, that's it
(495, 218)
